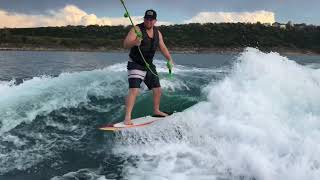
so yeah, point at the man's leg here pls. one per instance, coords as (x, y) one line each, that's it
(130, 100)
(156, 102)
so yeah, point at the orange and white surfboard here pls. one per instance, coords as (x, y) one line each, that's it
(139, 122)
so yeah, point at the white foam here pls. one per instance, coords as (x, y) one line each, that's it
(81, 174)
(41, 95)
(261, 121)
(14, 139)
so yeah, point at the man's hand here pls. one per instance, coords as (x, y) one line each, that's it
(133, 38)
(137, 41)
(170, 66)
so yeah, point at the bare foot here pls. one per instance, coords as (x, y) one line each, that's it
(160, 113)
(127, 121)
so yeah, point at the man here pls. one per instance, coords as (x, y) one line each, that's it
(137, 69)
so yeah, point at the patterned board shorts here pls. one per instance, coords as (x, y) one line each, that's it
(138, 73)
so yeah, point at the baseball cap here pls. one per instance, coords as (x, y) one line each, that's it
(150, 14)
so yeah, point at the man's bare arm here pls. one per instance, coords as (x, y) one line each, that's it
(132, 39)
(164, 49)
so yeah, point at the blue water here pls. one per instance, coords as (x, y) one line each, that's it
(248, 115)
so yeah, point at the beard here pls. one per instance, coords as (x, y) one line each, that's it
(148, 27)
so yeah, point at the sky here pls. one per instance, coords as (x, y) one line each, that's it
(42, 13)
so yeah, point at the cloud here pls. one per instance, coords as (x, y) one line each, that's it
(69, 15)
(72, 15)
(233, 17)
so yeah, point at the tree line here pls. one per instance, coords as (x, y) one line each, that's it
(192, 36)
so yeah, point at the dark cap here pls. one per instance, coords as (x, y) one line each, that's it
(150, 14)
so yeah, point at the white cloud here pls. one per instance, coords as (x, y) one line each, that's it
(233, 17)
(72, 15)
(69, 15)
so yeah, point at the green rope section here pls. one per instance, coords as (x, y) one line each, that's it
(139, 35)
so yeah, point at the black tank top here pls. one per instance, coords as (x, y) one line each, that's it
(148, 46)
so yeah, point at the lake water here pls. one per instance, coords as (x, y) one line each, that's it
(249, 115)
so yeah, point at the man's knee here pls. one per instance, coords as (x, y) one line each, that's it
(157, 91)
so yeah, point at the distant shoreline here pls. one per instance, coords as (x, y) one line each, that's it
(172, 50)
(222, 38)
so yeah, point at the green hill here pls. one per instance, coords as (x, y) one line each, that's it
(179, 37)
